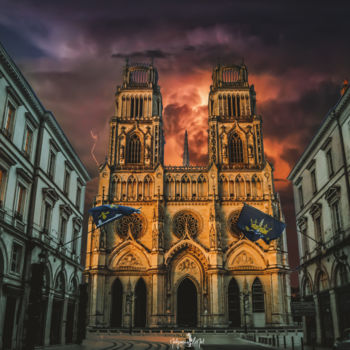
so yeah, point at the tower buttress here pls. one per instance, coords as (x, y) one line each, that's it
(235, 138)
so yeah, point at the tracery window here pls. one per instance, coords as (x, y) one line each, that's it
(235, 149)
(133, 222)
(134, 149)
(232, 222)
(186, 221)
(258, 296)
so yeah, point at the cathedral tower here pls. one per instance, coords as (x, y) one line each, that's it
(183, 262)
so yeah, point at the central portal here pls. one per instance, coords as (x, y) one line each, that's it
(187, 304)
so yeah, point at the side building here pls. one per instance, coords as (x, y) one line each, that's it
(322, 204)
(42, 191)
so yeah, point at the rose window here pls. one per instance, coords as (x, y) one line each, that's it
(133, 222)
(185, 221)
(232, 222)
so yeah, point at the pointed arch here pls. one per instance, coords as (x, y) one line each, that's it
(258, 298)
(233, 303)
(121, 253)
(133, 149)
(223, 186)
(131, 187)
(185, 186)
(202, 186)
(140, 303)
(60, 282)
(187, 301)
(321, 280)
(340, 275)
(235, 149)
(116, 303)
(147, 187)
(306, 286)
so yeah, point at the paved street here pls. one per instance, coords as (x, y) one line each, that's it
(165, 342)
(159, 342)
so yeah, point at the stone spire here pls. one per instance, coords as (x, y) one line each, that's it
(186, 157)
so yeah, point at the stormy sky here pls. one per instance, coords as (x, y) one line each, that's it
(72, 53)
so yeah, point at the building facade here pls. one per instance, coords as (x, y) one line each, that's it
(182, 261)
(42, 190)
(322, 203)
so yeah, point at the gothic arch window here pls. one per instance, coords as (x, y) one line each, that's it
(240, 190)
(256, 186)
(238, 106)
(116, 303)
(112, 189)
(185, 186)
(235, 149)
(168, 183)
(234, 309)
(133, 149)
(202, 190)
(141, 106)
(223, 186)
(248, 188)
(307, 290)
(60, 284)
(148, 185)
(322, 281)
(123, 190)
(341, 275)
(132, 106)
(258, 296)
(131, 190)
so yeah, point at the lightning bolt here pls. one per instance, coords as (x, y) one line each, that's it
(95, 138)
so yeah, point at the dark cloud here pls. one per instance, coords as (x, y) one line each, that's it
(143, 54)
(296, 55)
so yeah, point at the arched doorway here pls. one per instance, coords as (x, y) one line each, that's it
(187, 303)
(117, 303)
(140, 304)
(234, 311)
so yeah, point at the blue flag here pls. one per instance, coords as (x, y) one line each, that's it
(107, 213)
(257, 225)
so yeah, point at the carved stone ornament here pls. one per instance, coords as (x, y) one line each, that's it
(244, 259)
(232, 222)
(187, 265)
(134, 223)
(186, 221)
(129, 260)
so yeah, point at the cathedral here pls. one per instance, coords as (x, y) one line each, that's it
(183, 262)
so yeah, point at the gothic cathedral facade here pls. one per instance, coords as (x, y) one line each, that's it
(182, 262)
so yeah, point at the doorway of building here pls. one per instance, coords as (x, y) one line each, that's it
(10, 312)
(140, 304)
(117, 304)
(56, 321)
(234, 310)
(187, 304)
